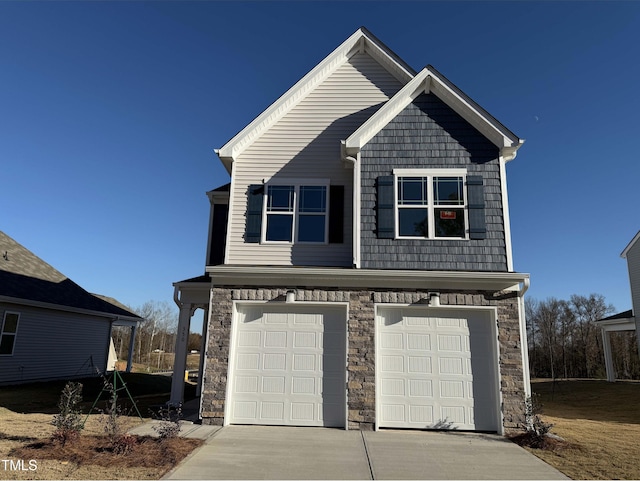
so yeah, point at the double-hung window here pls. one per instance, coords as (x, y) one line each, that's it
(295, 213)
(430, 204)
(8, 331)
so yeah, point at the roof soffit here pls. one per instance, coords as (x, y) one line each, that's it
(362, 41)
(430, 81)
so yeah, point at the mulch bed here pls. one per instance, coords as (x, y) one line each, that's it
(547, 443)
(139, 451)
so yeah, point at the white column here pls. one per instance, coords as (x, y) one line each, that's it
(132, 344)
(203, 352)
(608, 358)
(180, 361)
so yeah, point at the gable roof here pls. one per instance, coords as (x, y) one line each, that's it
(630, 245)
(429, 80)
(362, 41)
(25, 276)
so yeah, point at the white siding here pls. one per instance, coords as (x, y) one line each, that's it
(633, 264)
(54, 345)
(305, 143)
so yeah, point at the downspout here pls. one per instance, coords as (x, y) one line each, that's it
(354, 163)
(526, 373)
(356, 209)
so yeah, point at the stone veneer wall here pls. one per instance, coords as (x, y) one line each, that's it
(361, 354)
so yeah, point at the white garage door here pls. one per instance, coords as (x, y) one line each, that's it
(436, 368)
(289, 366)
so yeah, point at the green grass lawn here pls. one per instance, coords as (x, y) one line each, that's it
(600, 422)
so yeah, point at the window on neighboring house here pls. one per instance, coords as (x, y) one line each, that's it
(430, 204)
(296, 213)
(8, 333)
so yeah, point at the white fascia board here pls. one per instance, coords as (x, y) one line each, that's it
(193, 292)
(506, 218)
(386, 113)
(361, 39)
(429, 81)
(394, 65)
(631, 244)
(614, 325)
(76, 310)
(363, 278)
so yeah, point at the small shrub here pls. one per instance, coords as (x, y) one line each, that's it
(68, 421)
(169, 426)
(536, 429)
(123, 443)
(120, 442)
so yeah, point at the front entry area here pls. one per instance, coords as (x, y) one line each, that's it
(287, 365)
(437, 368)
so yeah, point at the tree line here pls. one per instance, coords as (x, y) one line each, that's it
(565, 342)
(155, 336)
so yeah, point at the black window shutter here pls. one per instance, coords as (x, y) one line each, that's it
(386, 208)
(475, 199)
(336, 214)
(253, 229)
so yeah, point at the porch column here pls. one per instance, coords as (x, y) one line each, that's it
(203, 349)
(180, 360)
(608, 358)
(132, 344)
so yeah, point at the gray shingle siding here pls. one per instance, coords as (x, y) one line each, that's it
(429, 134)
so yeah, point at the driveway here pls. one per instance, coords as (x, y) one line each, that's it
(265, 452)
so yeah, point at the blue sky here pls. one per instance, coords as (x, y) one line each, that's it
(110, 111)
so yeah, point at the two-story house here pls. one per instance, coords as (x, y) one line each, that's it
(627, 320)
(359, 268)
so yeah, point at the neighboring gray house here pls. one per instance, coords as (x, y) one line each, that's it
(359, 268)
(624, 321)
(51, 328)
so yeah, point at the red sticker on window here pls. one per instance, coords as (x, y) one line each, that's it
(447, 214)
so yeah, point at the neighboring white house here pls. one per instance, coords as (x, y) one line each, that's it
(628, 320)
(359, 268)
(51, 328)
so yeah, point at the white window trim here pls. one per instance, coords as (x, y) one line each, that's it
(14, 334)
(430, 174)
(296, 183)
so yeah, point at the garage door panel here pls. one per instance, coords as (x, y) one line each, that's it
(420, 388)
(419, 365)
(274, 361)
(247, 384)
(419, 414)
(248, 361)
(275, 339)
(306, 339)
(249, 339)
(431, 370)
(418, 341)
(245, 409)
(392, 387)
(279, 365)
(273, 385)
(270, 410)
(392, 341)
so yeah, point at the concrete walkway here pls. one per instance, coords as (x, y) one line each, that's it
(187, 430)
(265, 452)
